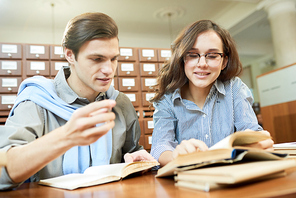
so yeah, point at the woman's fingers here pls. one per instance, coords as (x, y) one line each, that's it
(189, 146)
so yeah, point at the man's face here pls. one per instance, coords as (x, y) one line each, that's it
(94, 67)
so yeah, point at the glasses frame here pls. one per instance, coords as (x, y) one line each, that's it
(205, 55)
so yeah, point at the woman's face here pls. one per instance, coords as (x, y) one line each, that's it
(202, 73)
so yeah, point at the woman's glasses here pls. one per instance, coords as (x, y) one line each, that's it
(212, 59)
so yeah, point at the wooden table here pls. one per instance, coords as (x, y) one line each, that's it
(147, 185)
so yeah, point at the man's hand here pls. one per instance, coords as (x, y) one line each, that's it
(141, 155)
(81, 129)
(189, 146)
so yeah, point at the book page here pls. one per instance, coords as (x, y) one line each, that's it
(240, 138)
(73, 181)
(235, 173)
(3, 159)
(287, 145)
(106, 170)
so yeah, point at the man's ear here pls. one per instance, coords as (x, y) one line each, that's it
(69, 55)
(225, 61)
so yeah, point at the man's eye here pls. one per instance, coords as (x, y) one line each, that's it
(115, 58)
(96, 59)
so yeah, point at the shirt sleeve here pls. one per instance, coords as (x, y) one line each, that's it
(133, 130)
(23, 127)
(244, 115)
(165, 123)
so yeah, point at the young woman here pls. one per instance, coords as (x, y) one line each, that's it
(200, 100)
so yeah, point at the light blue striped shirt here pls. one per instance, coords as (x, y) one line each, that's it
(228, 108)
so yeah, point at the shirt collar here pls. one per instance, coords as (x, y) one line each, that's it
(65, 92)
(218, 85)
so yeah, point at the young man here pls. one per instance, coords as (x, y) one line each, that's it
(77, 120)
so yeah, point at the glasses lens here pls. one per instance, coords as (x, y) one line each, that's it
(213, 59)
(192, 59)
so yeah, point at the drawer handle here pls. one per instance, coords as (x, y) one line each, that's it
(127, 57)
(37, 55)
(149, 58)
(9, 55)
(128, 72)
(37, 72)
(62, 56)
(9, 106)
(9, 88)
(8, 71)
(150, 72)
(129, 88)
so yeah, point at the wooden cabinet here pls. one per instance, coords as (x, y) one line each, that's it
(127, 54)
(10, 67)
(127, 69)
(134, 97)
(55, 66)
(39, 52)
(149, 69)
(10, 51)
(7, 101)
(37, 68)
(148, 55)
(57, 53)
(128, 84)
(9, 84)
(164, 55)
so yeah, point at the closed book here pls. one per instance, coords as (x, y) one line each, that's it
(236, 173)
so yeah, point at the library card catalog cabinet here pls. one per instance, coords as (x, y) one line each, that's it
(135, 76)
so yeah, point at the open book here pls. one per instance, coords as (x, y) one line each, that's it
(228, 150)
(217, 177)
(96, 175)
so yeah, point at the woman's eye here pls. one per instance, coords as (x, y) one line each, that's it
(212, 56)
(193, 55)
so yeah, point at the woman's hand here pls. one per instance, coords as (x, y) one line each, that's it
(265, 144)
(189, 146)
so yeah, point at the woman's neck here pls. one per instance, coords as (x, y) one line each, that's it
(194, 94)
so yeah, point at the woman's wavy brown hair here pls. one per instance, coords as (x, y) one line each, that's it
(172, 74)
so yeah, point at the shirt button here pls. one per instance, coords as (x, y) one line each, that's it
(204, 115)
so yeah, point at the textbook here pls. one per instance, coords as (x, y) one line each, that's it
(288, 147)
(218, 177)
(96, 175)
(228, 150)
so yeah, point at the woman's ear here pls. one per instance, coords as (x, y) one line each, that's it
(225, 61)
(69, 55)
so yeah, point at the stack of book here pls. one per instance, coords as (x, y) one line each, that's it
(218, 177)
(227, 163)
(289, 148)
